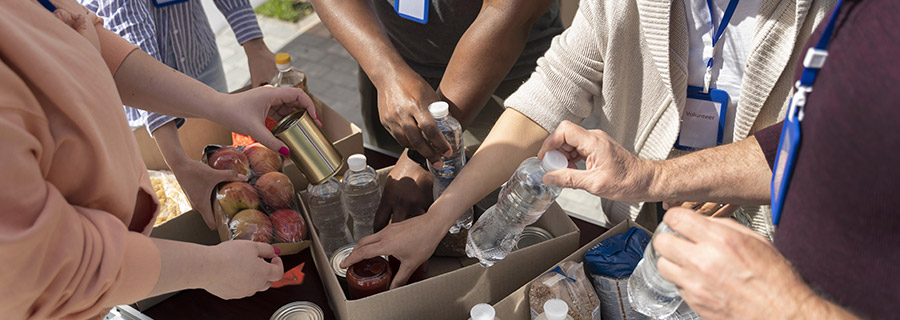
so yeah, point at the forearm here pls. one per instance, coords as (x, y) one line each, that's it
(475, 69)
(734, 173)
(255, 45)
(355, 25)
(184, 265)
(514, 138)
(148, 84)
(169, 145)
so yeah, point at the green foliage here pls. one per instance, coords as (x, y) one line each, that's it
(287, 10)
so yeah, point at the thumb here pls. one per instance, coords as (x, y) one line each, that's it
(566, 178)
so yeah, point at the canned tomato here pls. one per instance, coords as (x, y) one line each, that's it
(310, 150)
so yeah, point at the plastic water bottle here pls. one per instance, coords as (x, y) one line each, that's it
(362, 194)
(648, 292)
(328, 215)
(288, 76)
(555, 309)
(522, 201)
(452, 165)
(482, 311)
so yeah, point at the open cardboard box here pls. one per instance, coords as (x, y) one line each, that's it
(515, 306)
(453, 285)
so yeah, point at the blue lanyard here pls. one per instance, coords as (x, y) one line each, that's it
(790, 142)
(48, 5)
(717, 34)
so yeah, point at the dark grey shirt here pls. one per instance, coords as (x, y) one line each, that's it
(427, 48)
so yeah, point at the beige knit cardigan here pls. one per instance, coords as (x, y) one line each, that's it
(624, 64)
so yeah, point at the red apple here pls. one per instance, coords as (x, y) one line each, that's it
(251, 224)
(289, 226)
(262, 159)
(230, 158)
(237, 196)
(275, 189)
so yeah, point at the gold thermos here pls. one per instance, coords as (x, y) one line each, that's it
(310, 150)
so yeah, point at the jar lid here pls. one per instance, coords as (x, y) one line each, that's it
(338, 256)
(531, 236)
(299, 310)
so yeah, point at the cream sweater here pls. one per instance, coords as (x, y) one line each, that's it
(624, 63)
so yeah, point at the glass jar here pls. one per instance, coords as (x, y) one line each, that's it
(368, 277)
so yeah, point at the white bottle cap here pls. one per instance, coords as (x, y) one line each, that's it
(555, 309)
(482, 311)
(439, 109)
(357, 162)
(554, 160)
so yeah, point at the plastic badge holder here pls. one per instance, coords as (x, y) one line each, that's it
(610, 263)
(263, 208)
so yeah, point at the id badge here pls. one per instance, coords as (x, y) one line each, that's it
(785, 160)
(163, 3)
(703, 120)
(415, 10)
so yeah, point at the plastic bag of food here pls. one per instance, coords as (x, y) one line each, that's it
(264, 207)
(172, 200)
(568, 283)
(610, 264)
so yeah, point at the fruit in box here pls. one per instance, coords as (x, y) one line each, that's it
(289, 226)
(262, 159)
(237, 196)
(275, 189)
(251, 224)
(230, 158)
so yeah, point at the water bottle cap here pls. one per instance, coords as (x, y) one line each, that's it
(439, 109)
(554, 160)
(357, 162)
(283, 61)
(482, 311)
(555, 309)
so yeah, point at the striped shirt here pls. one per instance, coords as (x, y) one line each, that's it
(180, 30)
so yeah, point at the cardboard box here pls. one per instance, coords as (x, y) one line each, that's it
(453, 285)
(515, 306)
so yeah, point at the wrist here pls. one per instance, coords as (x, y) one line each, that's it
(653, 176)
(254, 45)
(391, 73)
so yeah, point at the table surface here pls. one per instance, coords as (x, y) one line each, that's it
(199, 304)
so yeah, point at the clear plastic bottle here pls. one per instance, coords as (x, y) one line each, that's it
(328, 215)
(522, 201)
(482, 311)
(648, 292)
(361, 196)
(555, 309)
(453, 164)
(288, 76)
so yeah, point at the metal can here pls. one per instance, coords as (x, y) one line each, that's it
(338, 256)
(310, 150)
(299, 310)
(531, 236)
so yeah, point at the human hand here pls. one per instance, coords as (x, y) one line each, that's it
(612, 172)
(198, 181)
(241, 270)
(411, 241)
(245, 112)
(712, 209)
(407, 193)
(261, 62)
(724, 270)
(403, 110)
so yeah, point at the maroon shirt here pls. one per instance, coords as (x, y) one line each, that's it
(840, 227)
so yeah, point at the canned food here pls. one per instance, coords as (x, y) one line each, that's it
(531, 236)
(310, 150)
(299, 310)
(338, 256)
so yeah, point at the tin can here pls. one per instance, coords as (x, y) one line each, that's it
(531, 236)
(299, 310)
(310, 150)
(338, 256)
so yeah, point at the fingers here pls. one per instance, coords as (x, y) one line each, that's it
(417, 141)
(436, 139)
(689, 224)
(735, 226)
(708, 208)
(294, 98)
(690, 205)
(265, 250)
(567, 137)
(673, 247)
(671, 271)
(725, 211)
(569, 178)
(367, 247)
(276, 269)
(671, 204)
(402, 275)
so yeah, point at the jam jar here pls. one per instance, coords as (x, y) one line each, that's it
(369, 277)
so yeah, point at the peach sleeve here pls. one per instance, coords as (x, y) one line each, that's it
(59, 260)
(113, 48)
